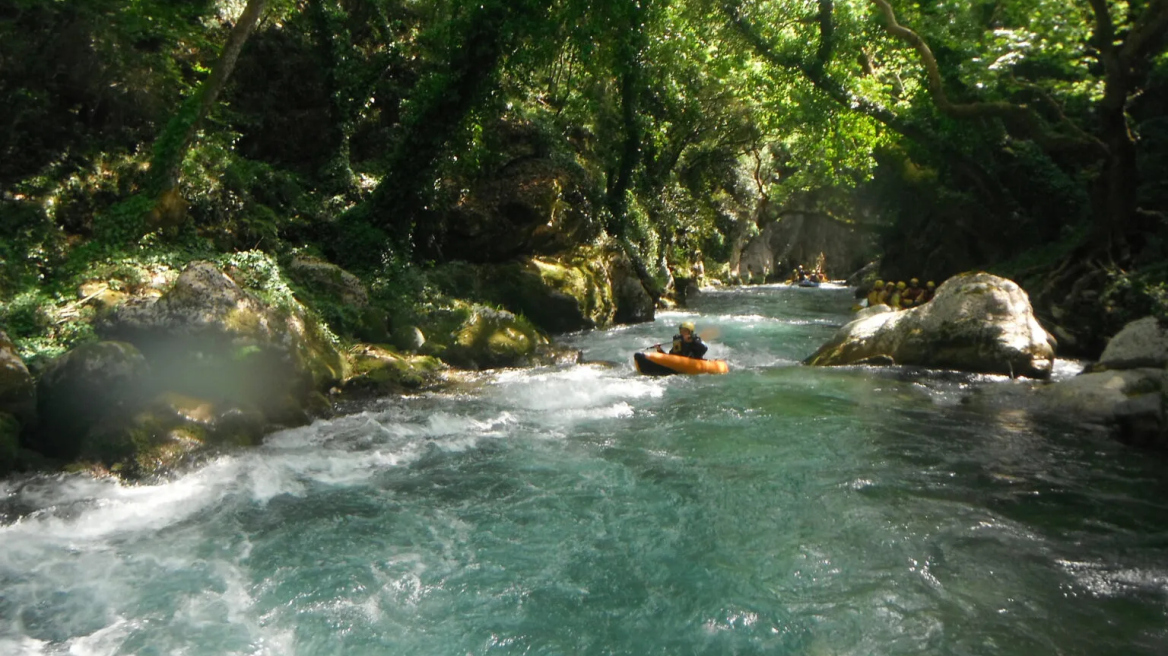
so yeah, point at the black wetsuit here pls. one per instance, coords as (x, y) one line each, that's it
(691, 349)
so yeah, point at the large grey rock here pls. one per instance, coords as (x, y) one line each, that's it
(977, 322)
(1141, 343)
(17, 390)
(795, 238)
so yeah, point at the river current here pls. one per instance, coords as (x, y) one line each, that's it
(780, 509)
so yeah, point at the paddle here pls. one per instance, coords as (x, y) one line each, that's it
(704, 334)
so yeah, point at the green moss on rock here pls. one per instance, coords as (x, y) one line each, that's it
(379, 369)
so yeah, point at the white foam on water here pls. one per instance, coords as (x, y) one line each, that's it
(103, 641)
(1102, 580)
(113, 508)
(1066, 368)
(23, 646)
(575, 388)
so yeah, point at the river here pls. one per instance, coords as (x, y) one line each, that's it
(777, 510)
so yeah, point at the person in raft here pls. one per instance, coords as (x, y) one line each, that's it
(686, 342)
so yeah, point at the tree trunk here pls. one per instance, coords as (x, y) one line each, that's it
(209, 93)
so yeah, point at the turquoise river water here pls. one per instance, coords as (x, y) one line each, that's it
(780, 509)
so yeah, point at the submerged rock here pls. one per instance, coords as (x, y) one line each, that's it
(977, 322)
(1125, 391)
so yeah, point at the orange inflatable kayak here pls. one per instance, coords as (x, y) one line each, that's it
(663, 364)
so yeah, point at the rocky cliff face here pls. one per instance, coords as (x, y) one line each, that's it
(798, 238)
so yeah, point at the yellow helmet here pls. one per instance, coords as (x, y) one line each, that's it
(879, 283)
(931, 284)
(900, 285)
(687, 326)
(915, 281)
(889, 285)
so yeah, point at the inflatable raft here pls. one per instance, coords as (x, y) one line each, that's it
(663, 364)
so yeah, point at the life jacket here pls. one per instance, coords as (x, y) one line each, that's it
(691, 349)
(874, 297)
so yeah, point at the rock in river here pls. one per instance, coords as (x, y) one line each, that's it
(978, 322)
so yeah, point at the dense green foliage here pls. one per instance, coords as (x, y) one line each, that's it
(1009, 133)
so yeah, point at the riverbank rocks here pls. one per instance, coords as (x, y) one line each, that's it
(339, 296)
(210, 338)
(1141, 343)
(1127, 402)
(1125, 391)
(17, 403)
(204, 363)
(84, 391)
(473, 336)
(977, 322)
(379, 370)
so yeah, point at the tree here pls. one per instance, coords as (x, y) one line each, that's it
(172, 145)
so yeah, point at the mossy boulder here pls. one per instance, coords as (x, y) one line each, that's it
(977, 322)
(381, 370)
(17, 389)
(325, 277)
(208, 337)
(170, 430)
(474, 336)
(588, 287)
(91, 386)
(339, 296)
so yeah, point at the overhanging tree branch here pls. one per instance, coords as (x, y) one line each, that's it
(1020, 120)
(816, 70)
(817, 74)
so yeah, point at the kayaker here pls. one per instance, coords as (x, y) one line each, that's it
(686, 342)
